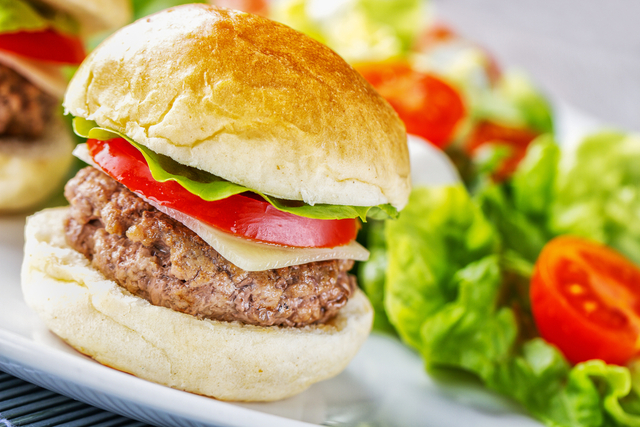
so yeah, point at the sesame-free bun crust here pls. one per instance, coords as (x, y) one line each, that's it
(225, 360)
(249, 100)
(95, 16)
(30, 171)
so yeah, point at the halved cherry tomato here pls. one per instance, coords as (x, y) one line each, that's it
(47, 45)
(246, 215)
(428, 106)
(517, 139)
(585, 299)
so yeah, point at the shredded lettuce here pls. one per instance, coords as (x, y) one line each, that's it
(210, 187)
(20, 15)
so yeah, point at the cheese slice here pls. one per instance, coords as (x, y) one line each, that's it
(47, 77)
(248, 254)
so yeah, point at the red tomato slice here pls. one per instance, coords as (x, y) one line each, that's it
(246, 215)
(428, 106)
(47, 45)
(585, 299)
(518, 139)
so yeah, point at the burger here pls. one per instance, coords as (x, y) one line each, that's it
(208, 246)
(36, 39)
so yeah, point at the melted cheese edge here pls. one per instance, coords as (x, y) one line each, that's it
(247, 254)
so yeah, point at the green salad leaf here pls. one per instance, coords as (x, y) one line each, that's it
(358, 30)
(420, 277)
(210, 187)
(20, 15)
(598, 192)
(519, 208)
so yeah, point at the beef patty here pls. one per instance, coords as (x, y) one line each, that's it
(24, 108)
(159, 259)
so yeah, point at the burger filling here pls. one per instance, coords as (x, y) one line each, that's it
(25, 109)
(157, 258)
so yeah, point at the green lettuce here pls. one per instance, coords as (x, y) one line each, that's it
(20, 15)
(210, 187)
(438, 233)
(456, 292)
(519, 208)
(597, 192)
(358, 30)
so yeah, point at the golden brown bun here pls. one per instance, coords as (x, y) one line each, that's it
(249, 100)
(228, 361)
(96, 16)
(30, 171)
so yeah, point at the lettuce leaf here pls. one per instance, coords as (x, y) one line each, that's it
(210, 187)
(598, 193)
(519, 208)
(20, 15)
(438, 233)
(358, 30)
(452, 292)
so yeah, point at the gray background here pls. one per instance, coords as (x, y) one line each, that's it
(586, 53)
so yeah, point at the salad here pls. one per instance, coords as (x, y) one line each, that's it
(492, 284)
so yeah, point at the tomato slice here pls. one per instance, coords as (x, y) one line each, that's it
(517, 139)
(47, 45)
(585, 299)
(246, 215)
(428, 106)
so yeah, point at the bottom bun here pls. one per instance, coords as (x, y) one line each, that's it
(225, 360)
(30, 171)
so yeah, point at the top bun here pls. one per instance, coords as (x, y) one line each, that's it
(95, 16)
(249, 100)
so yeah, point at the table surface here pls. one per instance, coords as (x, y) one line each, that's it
(25, 404)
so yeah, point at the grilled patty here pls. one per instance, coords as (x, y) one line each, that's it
(159, 259)
(24, 108)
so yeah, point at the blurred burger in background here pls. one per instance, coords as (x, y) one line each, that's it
(38, 39)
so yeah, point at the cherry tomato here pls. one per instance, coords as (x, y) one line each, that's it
(257, 7)
(517, 139)
(428, 106)
(246, 215)
(585, 299)
(47, 45)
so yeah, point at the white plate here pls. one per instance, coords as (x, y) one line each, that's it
(385, 385)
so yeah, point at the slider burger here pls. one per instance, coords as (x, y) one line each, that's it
(207, 248)
(36, 39)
